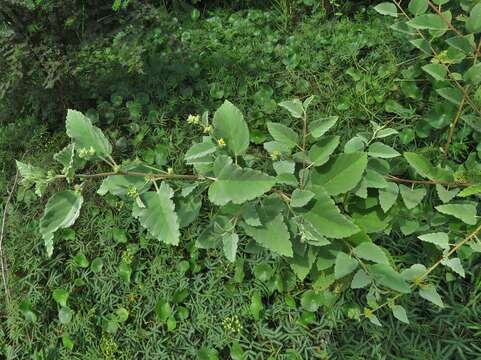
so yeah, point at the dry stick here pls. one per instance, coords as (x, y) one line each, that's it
(3, 262)
(455, 248)
(426, 182)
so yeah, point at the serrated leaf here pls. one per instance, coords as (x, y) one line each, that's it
(302, 264)
(237, 185)
(440, 239)
(418, 7)
(414, 273)
(326, 218)
(386, 8)
(464, 212)
(437, 71)
(62, 209)
(86, 136)
(188, 209)
(371, 252)
(299, 197)
(294, 107)
(400, 313)
(388, 196)
(230, 242)
(360, 280)
(446, 195)
(473, 24)
(250, 215)
(451, 94)
(375, 180)
(424, 168)
(428, 22)
(412, 197)
(320, 152)
(429, 293)
(283, 134)
(341, 173)
(455, 265)
(200, 150)
(159, 216)
(386, 276)
(381, 150)
(473, 74)
(319, 127)
(229, 124)
(344, 265)
(470, 190)
(272, 235)
(121, 184)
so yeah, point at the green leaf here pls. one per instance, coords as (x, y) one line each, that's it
(424, 168)
(320, 152)
(62, 209)
(360, 280)
(121, 314)
(86, 136)
(437, 71)
(400, 313)
(158, 216)
(65, 315)
(414, 273)
(381, 150)
(371, 252)
(344, 265)
(386, 276)
(32, 175)
(284, 167)
(428, 22)
(446, 195)
(440, 239)
(341, 173)
(386, 8)
(319, 127)
(429, 293)
(81, 260)
(311, 301)
(473, 75)
(470, 190)
(188, 209)
(302, 264)
(60, 296)
(300, 197)
(163, 310)
(66, 158)
(464, 44)
(388, 196)
(455, 265)
(451, 94)
(283, 134)
(120, 185)
(412, 197)
(464, 212)
(473, 24)
(326, 219)
(418, 7)
(229, 124)
(294, 107)
(230, 242)
(200, 150)
(256, 305)
(97, 265)
(239, 185)
(273, 235)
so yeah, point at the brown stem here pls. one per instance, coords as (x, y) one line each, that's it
(441, 15)
(148, 175)
(453, 126)
(426, 182)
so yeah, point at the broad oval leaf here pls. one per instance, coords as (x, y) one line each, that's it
(371, 252)
(386, 276)
(283, 134)
(86, 136)
(341, 173)
(464, 212)
(229, 124)
(294, 106)
(239, 185)
(62, 209)
(320, 152)
(386, 8)
(158, 216)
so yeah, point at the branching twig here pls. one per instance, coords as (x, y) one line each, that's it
(3, 262)
(426, 182)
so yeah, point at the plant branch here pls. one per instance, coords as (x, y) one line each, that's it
(446, 20)
(455, 248)
(426, 182)
(3, 261)
(453, 126)
(147, 175)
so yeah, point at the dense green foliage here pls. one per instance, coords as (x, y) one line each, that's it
(251, 182)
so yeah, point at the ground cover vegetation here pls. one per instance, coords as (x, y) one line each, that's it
(258, 180)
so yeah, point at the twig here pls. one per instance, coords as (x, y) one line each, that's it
(3, 261)
(453, 126)
(441, 15)
(426, 182)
